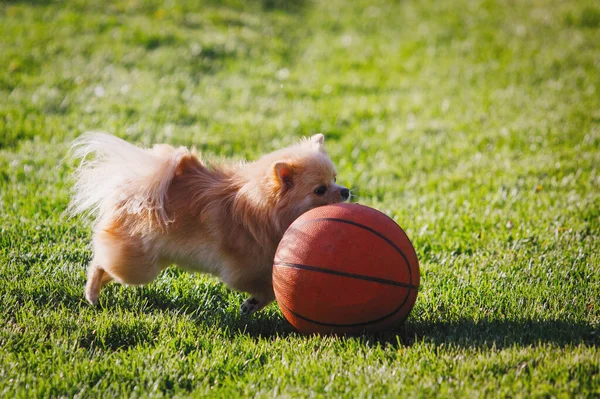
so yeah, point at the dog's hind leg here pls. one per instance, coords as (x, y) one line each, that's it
(121, 257)
(97, 278)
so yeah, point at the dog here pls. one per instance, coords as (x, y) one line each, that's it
(159, 206)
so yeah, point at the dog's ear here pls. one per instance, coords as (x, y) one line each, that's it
(317, 141)
(284, 173)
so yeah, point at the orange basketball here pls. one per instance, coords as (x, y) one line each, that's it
(345, 268)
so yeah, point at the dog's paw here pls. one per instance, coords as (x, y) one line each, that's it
(92, 298)
(249, 306)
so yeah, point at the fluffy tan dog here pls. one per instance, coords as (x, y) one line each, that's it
(163, 205)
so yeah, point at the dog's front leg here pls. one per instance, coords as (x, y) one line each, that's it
(258, 300)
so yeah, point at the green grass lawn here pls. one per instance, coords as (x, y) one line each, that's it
(475, 124)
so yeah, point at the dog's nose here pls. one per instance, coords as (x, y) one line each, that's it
(345, 193)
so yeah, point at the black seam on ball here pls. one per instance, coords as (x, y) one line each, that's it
(363, 324)
(345, 274)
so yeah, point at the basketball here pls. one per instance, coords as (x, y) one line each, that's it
(345, 269)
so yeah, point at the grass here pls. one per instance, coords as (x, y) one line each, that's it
(475, 124)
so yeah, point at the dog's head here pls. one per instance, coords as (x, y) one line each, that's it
(303, 177)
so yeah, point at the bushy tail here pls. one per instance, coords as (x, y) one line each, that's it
(116, 179)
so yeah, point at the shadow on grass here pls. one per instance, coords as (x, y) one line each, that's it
(464, 333)
(283, 5)
(494, 333)
(215, 310)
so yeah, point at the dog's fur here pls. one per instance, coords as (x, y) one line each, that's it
(163, 205)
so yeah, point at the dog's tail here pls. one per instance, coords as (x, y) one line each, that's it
(116, 179)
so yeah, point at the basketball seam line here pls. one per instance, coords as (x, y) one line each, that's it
(350, 324)
(362, 226)
(345, 274)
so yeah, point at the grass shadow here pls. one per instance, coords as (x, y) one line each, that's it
(216, 312)
(466, 333)
(494, 333)
(290, 6)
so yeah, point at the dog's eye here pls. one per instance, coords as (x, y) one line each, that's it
(320, 190)
(334, 179)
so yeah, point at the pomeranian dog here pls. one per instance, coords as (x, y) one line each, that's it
(163, 205)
